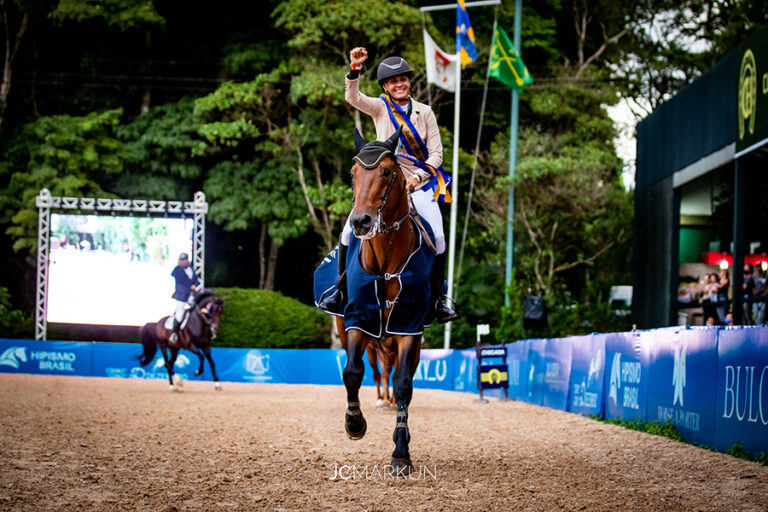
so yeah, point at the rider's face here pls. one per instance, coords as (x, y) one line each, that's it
(399, 87)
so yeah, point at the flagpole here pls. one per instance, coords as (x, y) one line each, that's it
(513, 159)
(454, 196)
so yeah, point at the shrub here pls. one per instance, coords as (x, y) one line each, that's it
(13, 322)
(264, 319)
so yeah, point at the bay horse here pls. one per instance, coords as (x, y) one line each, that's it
(196, 336)
(384, 219)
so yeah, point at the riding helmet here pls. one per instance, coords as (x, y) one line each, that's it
(183, 256)
(393, 66)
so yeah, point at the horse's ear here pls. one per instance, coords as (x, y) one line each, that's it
(391, 142)
(359, 141)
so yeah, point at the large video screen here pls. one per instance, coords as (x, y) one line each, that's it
(114, 270)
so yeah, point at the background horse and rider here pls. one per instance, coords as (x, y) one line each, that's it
(199, 330)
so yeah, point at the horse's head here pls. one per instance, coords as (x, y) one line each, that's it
(375, 174)
(215, 310)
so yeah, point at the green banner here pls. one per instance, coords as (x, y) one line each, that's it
(752, 104)
(506, 64)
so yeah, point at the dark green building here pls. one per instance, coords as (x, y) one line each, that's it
(701, 196)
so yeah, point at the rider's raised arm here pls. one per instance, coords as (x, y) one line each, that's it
(360, 101)
(433, 142)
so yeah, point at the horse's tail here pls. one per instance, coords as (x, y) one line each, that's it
(149, 343)
(372, 360)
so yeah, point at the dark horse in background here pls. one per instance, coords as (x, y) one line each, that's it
(383, 217)
(204, 317)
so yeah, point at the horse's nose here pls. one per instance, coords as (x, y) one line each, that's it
(361, 224)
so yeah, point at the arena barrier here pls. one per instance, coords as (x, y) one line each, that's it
(711, 383)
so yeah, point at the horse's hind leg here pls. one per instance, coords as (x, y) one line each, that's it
(168, 366)
(207, 351)
(407, 361)
(354, 422)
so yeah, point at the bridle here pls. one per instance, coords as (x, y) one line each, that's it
(380, 227)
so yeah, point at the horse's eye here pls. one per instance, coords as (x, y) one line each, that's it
(386, 171)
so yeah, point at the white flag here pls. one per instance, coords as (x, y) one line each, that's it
(441, 66)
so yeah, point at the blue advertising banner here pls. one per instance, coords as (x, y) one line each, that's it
(682, 379)
(742, 389)
(122, 360)
(626, 377)
(557, 373)
(517, 362)
(537, 369)
(587, 371)
(435, 370)
(48, 357)
(465, 370)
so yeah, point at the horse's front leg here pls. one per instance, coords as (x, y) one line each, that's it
(407, 360)
(192, 348)
(166, 360)
(207, 351)
(354, 422)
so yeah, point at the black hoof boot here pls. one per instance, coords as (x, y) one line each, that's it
(400, 467)
(443, 312)
(355, 425)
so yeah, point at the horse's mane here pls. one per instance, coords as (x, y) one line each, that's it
(205, 295)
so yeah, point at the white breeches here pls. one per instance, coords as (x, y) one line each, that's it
(427, 209)
(179, 313)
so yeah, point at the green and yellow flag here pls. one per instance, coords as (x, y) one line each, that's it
(506, 64)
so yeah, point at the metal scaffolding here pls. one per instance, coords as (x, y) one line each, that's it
(45, 203)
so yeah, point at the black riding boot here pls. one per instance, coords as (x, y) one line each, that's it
(443, 312)
(174, 337)
(334, 301)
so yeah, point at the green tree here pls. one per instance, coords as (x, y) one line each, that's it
(70, 156)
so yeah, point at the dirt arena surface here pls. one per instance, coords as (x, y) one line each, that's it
(69, 443)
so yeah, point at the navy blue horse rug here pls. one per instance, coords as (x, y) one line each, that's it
(365, 308)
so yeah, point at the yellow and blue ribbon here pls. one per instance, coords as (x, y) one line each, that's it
(417, 151)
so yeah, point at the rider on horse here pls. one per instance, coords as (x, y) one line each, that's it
(186, 283)
(417, 159)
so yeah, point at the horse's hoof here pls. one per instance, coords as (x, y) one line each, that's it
(198, 373)
(380, 402)
(177, 380)
(217, 386)
(355, 435)
(172, 387)
(400, 467)
(175, 389)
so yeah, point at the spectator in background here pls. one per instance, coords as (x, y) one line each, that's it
(709, 296)
(749, 288)
(722, 295)
(758, 308)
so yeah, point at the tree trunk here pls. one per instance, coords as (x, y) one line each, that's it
(147, 97)
(271, 266)
(262, 258)
(10, 54)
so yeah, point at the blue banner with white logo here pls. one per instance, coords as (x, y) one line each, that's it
(537, 368)
(557, 373)
(59, 358)
(626, 375)
(742, 389)
(587, 370)
(681, 383)
(517, 362)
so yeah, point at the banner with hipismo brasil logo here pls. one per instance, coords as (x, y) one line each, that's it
(26, 356)
(752, 100)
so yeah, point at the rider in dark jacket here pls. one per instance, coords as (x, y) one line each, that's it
(186, 282)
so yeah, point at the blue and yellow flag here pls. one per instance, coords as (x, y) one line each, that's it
(465, 36)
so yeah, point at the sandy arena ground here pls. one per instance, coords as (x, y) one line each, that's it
(69, 443)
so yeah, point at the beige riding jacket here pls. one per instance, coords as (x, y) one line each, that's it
(423, 120)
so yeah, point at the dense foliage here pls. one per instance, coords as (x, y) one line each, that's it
(244, 100)
(260, 318)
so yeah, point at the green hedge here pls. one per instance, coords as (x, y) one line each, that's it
(264, 319)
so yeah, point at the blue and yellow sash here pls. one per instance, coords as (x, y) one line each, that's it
(417, 151)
